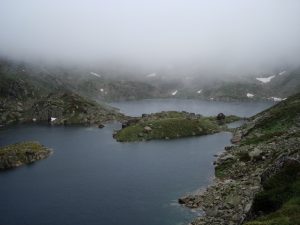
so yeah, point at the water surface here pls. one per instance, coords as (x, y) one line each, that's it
(92, 179)
(206, 108)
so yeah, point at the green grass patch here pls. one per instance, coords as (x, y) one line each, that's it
(167, 128)
(268, 136)
(221, 170)
(280, 200)
(278, 118)
(22, 147)
(21, 153)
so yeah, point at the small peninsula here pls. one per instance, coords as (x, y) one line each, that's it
(171, 125)
(18, 154)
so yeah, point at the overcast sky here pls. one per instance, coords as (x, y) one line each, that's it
(223, 34)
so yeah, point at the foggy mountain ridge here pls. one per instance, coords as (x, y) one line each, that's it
(106, 85)
(175, 38)
(111, 51)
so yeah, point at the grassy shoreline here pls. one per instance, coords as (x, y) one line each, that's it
(170, 125)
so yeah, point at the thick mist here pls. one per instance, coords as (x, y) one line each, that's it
(216, 37)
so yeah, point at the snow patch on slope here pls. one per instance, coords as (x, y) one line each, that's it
(95, 74)
(151, 75)
(276, 99)
(265, 79)
(282, 73)
(249, 95)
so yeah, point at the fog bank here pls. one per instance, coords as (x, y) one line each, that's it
(218, 37)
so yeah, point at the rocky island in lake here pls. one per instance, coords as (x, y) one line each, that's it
(16, 155)
(171, 125)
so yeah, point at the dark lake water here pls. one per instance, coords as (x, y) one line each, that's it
(206, 108)
(92, 179)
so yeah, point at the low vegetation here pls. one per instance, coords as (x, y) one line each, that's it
(280, 201)
(274, 122)
(15, 155)
(170, 125)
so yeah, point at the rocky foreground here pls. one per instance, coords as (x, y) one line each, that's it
(16, 155)
(244, 190)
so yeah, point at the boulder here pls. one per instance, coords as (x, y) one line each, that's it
(221, 116)
(101, 125)
(256, 154)
(186, 200)
(129, 122)
(147, 129)
(237, 137)
(227, 157)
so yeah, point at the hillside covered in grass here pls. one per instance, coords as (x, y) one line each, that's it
(257, 180)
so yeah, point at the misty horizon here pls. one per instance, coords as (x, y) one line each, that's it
(213, 37)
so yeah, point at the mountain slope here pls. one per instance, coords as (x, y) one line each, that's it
(258, 179)
(98, 86)
(24, 99)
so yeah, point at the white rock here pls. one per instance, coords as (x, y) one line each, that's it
(147, 128)
(199, 92)
(33, 119)
(255, 153)
(53, 119)
(101, 89)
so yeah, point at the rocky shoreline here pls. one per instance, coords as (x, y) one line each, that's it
(15, 155)
(242, 169)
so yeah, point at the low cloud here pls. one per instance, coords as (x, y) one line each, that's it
(217, 37)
